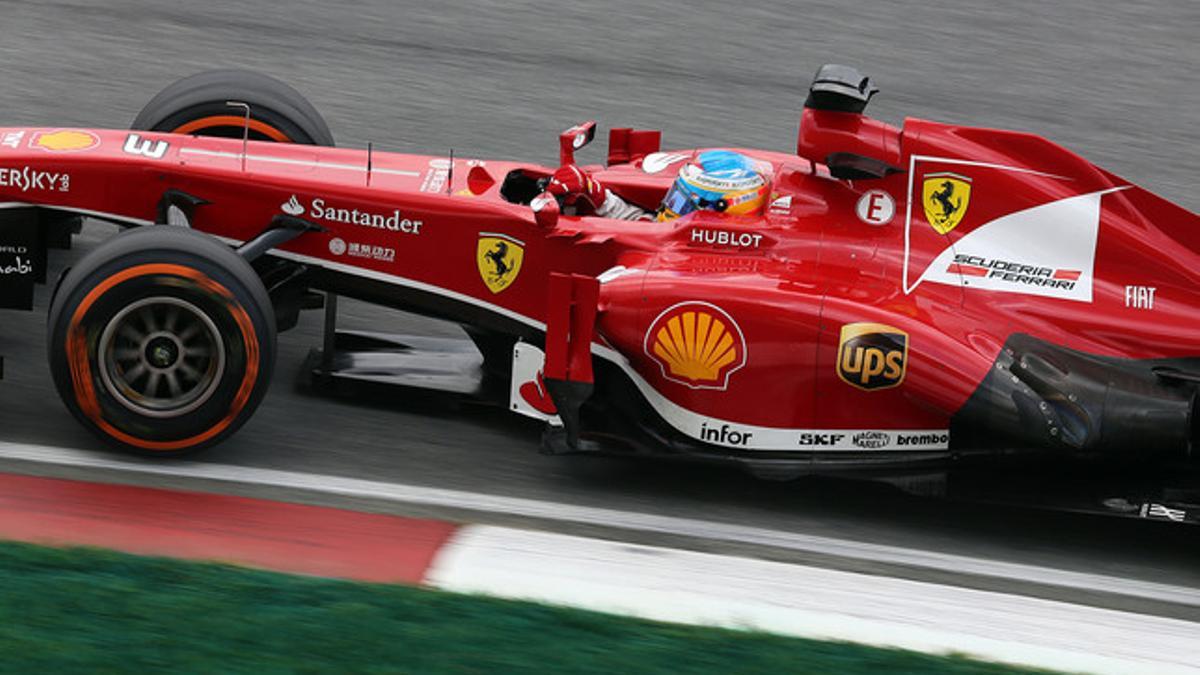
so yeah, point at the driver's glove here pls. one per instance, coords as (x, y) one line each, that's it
(572, 185)
(575, 187)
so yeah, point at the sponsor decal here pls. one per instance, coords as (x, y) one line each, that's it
(535, 395)
(17, 272)
(732, 435)
(1140, 297)
(820, 439)
(657, 161)
(498, 257)
(724, 435)
(726, 264)
(1152, 510)
(945, 197)
(12, 139)
(528, 396)
(527, 393)
(435, 178)
(1009, 272)
(1054, 243)
(145, 147)
(371, 252)
(319, 209)
(875, 207)
(20, 263)
(18, 266)
(338, 246)
(696, 344)
(26, 179)
(936, 439)
(872, 440)
(781, 206)
(702, 235)
(872, 356)
(292, 207)
(439, 172)
(64, 140)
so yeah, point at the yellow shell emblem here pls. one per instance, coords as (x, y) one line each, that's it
(696, 344)
(945, 197)
(64, 140)
(499, 258)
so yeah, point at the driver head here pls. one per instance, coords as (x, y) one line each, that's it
(717, 180)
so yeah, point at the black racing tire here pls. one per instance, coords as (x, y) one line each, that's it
(162, 341)
(199, 105)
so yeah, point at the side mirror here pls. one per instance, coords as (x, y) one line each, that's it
(573, 139)
(545, 210)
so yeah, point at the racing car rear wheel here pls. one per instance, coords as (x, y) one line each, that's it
(199, 105)
(162, 340)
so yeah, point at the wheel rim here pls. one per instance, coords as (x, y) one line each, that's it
(161, 357)
(226, 125)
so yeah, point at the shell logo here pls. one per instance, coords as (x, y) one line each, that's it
(697, 344)
(64, 140)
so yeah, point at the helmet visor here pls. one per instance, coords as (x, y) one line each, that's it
(678, 201)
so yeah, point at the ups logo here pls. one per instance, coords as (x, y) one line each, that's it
(872, 356)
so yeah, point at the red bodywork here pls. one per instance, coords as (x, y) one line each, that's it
(729, 327)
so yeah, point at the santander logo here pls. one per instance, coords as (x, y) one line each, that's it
(319, 209)
(292, 207)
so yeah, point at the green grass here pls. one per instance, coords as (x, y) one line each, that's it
(87, 610)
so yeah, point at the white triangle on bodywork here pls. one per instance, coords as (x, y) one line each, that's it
(1023, 252)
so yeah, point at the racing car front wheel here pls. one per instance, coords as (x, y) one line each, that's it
(162, 340)
(199, 105)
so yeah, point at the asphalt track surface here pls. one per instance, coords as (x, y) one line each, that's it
(1117, 82)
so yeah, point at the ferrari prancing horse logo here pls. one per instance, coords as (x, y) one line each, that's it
(499, 258)
(945, 197)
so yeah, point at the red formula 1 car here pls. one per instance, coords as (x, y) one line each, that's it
(908, 301)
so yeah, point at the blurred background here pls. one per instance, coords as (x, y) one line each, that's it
(1117, 82)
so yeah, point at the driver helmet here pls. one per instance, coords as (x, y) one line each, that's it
(717, 180)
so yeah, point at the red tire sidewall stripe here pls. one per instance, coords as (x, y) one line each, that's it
(80, 365)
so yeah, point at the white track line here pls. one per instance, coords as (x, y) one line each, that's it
(625, 520)
(703, 588)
